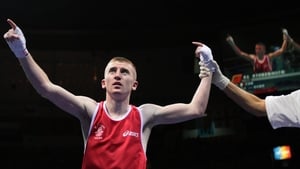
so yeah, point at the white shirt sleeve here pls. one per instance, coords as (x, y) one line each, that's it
(284, 110)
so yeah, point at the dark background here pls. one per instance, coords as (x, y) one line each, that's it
(73, 40)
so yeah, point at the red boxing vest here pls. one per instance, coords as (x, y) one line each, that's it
(263, 65)
(115, 144)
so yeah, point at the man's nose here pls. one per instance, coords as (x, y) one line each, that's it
(118, 75)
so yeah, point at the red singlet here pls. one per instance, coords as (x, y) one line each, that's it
(115, 144)
(263, 65)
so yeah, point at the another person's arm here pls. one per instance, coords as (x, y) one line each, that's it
(281, 110)
(248, 101)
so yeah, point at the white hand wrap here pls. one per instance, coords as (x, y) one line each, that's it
(219, 79)
(206, 57)
(18, 45)
(205, 54)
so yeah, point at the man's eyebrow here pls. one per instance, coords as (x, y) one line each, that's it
(124, 69)
(112, 68)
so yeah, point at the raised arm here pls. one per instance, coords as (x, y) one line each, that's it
(179, 112)
(76, 105)
(291, 43)
(283, 47)
(244, 99)
(238, 51)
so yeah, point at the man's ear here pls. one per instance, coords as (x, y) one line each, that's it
(103, 84)
(135, 85)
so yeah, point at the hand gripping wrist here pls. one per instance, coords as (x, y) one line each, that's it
(219, 79)
(18, 45)
(204, 70)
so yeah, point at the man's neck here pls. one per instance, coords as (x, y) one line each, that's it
(116, 109)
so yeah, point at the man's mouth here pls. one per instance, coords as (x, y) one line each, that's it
(117, 84)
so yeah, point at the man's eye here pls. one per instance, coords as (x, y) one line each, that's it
(112, 70)
(124, 71)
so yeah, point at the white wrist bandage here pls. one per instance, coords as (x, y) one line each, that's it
(218, 78)
(18, 45)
